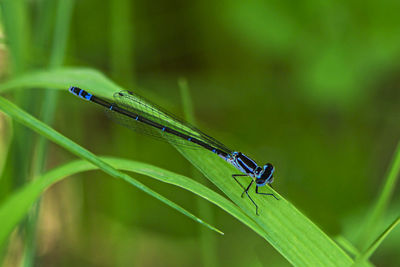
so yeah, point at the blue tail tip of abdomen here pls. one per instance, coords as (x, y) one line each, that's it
(75, 90)
(80, 93)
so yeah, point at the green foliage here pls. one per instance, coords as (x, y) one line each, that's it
(16, 206)
(298, 239)
(63, 78)
(379, 209)
(24, 118)
(368, 252)
(311, 87)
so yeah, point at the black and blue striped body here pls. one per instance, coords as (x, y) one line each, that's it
(244, 164)
(111, 106)
(131, 109)
(249, 167)
(80, 93)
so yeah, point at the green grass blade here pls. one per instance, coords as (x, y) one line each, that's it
(122, 37)
(62, 79)
(26, 119)
(16, 27)
(299, 240)
(186, 101)
(15, 207)
(347, 245)
(16, 23)
(49, 103)
(382, 202)
(352, 250)
(372, 248)
(208, 240)
(5, 142)
(61, 32)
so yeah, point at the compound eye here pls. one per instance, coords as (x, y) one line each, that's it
(257, 171)
(261, 182)
(268, 168)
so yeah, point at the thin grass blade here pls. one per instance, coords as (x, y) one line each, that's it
(15, 207)
(26, 119)
(299, 240)
(372, 248)
(382, 201)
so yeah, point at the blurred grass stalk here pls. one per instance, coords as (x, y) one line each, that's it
(121, 58)
(15, 19)
(122, 40)
(17, 35)
(290, 232)
(372, 248)
(63, 16)
(16, 31)
(375, 218)
(207, 238)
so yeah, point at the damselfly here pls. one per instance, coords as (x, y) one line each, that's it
(136, 113)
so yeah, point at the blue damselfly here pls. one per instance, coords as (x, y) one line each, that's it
(139, 114)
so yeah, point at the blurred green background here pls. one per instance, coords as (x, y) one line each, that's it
(310, 86)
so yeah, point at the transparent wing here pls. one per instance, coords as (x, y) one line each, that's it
(144, 108)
